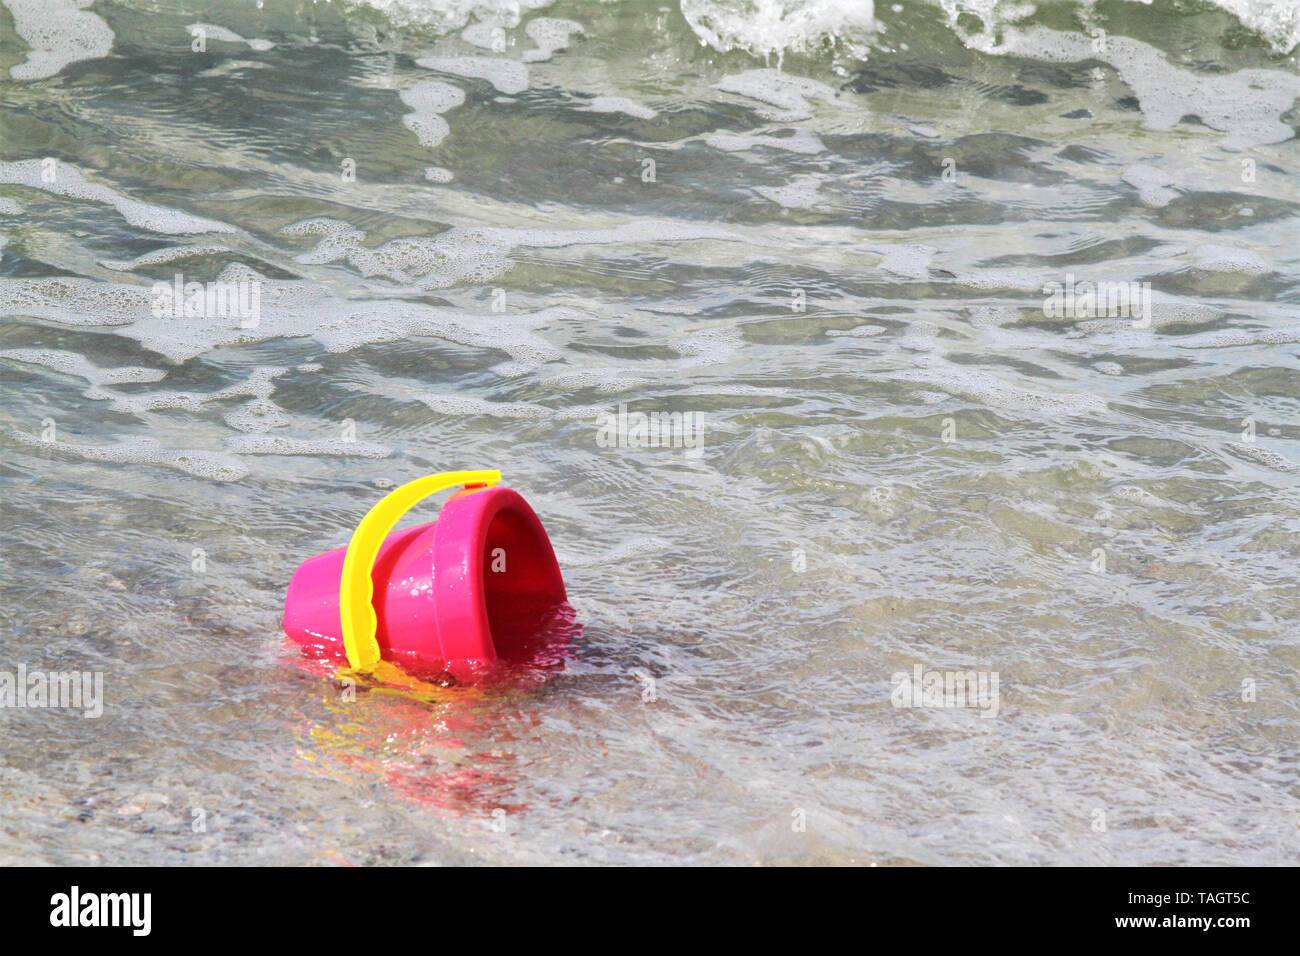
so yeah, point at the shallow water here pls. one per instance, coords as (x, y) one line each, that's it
(835, 256)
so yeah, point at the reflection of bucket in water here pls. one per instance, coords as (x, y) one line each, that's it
(477, 588)
(437, 748)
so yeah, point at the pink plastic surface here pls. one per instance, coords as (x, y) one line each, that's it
(477, 587)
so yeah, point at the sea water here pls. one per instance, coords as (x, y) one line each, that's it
(934, 569)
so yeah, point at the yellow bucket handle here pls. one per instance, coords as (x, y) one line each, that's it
(356, 591)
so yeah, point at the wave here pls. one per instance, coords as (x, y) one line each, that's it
(775, 27)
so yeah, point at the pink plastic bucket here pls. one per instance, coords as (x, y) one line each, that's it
(476, 587)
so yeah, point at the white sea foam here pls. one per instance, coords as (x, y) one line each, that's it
(232, 67)
(802, 192)
(259, 444)
(1263, 456)
(64, 179)
(1247, 105)
(774, 26)
(910, 260)
(163, 256)
(71, 363)
(800, 141)
(789, 94)
(1277, 21)
(486, 36)
(921, 336)
(59, 32)
(858, 332)
(1231, 338)
(472, 255)
(221, 34)
(450, 15)
(337, 240)
(1166, 310)
(606, 380)
(507, 76)
(457, 406)
(463, 405)
(618, 104)
(990, 390)
(1151, 184)
(1142, 496)
(427, 101)
(289, 309)
(1217, 258)
(259, 385)
(550, 35)
(713, 345)
(1021, 280)
(213, 466)
(259, 415)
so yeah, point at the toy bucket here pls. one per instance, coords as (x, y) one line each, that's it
(476, 587)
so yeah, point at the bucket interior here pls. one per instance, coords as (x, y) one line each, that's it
(521, 586)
